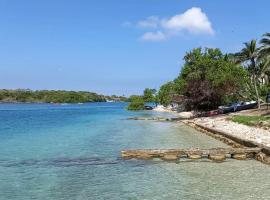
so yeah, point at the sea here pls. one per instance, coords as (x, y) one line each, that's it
(72, 152)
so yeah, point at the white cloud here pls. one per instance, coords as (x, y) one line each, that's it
(193, 21)
(150, 22)
(154, 36)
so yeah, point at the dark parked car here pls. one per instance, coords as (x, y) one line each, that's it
(233, 107)
(148, 108)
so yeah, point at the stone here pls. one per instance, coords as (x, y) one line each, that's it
(126, 155)
(241, 156)
(144, 156)
(170, 157)
(217, 157)
(263, 158)
(194, 156)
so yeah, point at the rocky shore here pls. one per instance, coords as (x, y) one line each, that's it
(234, 134)
(169, 109)
(222, 123)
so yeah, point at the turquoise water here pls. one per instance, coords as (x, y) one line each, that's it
(72, 152)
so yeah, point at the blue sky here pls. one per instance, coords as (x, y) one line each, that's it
(116, 47)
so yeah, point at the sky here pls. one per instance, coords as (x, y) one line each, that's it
(116, 46)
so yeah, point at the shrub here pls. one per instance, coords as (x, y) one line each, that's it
(136, 104)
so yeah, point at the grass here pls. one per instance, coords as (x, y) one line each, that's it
(250, 120)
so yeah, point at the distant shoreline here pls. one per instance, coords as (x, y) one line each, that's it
(19, 102)
(54, 96)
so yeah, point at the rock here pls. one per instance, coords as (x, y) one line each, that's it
(263, 158)
(241, 156)
(126, 156)
(144, 156)
(217, 157)
(185, 115)
(194, 156)
(250, 155)
(170, 156)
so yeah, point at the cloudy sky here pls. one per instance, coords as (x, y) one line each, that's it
(116, 47)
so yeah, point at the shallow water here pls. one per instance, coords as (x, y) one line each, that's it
(72, 152)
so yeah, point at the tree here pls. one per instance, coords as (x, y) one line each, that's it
(137, 103)
(264, 54)
(149, 95)
(208, 79)
(249, 57)
(265, 42)
(165, 93)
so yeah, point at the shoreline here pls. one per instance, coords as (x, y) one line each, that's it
(231, 133)
(230, 136)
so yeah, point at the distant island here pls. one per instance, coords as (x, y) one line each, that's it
(54, 96)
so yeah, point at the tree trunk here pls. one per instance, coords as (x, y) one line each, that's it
(256, 90)
(253, 62)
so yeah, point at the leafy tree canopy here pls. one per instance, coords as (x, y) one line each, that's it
(149, 95)
(165, 93)
(209, 79)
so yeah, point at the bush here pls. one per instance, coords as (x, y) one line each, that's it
(137, 103)
(136, 106)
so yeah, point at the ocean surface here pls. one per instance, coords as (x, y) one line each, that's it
(71, 152)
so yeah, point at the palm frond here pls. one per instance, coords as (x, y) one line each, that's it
(265, 49)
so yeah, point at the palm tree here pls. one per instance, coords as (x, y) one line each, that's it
(265, 42)
(248, 56)
(263, 71)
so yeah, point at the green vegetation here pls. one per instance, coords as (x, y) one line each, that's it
(249, 57)
(137, 103)
(48, 96)
(210, 78)
(165, 93)
(149, 95)
(252, 120)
